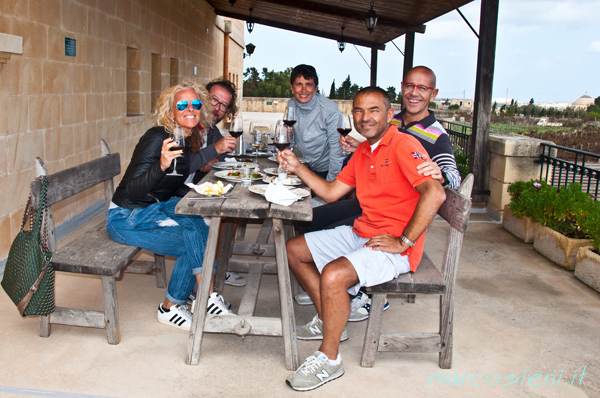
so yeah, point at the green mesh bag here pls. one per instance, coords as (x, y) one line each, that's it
(29, 276)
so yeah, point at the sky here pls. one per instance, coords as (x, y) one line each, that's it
(548, 50)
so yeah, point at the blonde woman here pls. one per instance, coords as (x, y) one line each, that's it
(142, 211)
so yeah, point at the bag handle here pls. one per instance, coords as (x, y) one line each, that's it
(25, 301)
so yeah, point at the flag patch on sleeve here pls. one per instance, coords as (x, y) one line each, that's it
(416, 155)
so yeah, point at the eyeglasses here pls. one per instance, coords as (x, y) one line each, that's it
(214, 101)
(421, 87)
(182, 105)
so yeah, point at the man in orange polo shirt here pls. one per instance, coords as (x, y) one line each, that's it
(386, 240)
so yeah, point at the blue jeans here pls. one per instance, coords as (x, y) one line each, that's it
(158, 229)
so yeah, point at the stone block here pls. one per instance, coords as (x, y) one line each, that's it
(123, 11)
(57, 78)
(116, 30)
(81, 76)
(14, 8)
(72, 109)
(74, 17)
(46, 12)
(97, 25)
(109, 7)
(92, 52)
(514, 145)
(100, 80)
(94, 107)
(81, 138)
(114, 105)
(17, 199)
(13, 115)
(43, 112)
(498, 196)
(556, 247)
(587, 268)
(511, 169)
(22, 149)
(7, 236)
(3, 157)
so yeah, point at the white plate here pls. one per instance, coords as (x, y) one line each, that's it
(274, 159)
(232, 165)
(223, 174)
(259, 189)
(262, 188)
(295, 180)
(272, 171)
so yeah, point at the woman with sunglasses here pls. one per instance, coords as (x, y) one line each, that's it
(142, 211)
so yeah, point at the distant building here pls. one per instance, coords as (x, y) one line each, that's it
(465, 104)
(583, 102)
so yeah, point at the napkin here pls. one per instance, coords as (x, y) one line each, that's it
(279, 194)
(230, 160)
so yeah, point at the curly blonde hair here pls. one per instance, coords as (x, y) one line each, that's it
(164, 106)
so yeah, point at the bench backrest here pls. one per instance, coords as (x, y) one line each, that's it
(71, 181)
(455, 210)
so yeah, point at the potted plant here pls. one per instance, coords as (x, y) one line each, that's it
(515, 217)
(559, 214)
(587, 268)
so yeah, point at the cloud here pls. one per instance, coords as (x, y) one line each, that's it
(594, 47)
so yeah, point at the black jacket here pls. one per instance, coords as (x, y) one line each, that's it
(144, 183)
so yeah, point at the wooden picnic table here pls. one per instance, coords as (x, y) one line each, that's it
(242, 204)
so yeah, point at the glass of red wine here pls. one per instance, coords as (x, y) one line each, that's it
(178, 137)
(289, 116)
(236, 131)
(344, 127)
(282, 136)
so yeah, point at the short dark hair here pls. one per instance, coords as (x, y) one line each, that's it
(232, 109)
(306, 71)
(376, 90)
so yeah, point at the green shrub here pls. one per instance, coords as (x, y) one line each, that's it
(563, 209)
(462, 161)
(591, 225)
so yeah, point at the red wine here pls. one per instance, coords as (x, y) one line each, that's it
(176, 148)
(344, 132)
(281, 145)
(289, 123)
(235, 134)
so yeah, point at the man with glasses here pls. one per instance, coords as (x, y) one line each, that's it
(223, 98)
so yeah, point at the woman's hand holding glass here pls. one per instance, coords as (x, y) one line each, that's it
(175, 146)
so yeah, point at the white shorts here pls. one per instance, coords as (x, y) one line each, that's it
(372, 266)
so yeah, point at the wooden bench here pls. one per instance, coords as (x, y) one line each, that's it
(426, 280)
(93, 252)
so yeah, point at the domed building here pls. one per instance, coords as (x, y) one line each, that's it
(583, 102)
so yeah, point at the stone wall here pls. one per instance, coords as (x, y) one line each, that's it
(58, 106)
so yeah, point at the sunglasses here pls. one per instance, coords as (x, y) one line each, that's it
(182, 105)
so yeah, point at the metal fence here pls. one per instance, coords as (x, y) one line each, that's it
(559, 172)
(460, 135)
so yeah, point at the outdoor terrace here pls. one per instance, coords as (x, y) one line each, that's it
(516, 315)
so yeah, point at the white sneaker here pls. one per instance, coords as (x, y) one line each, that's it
(216, 305)
(303, 298)
(192, 299)
(360, 307)
(177, 316)
(234, 279)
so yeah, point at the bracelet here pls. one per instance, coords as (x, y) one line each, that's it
(409, 242)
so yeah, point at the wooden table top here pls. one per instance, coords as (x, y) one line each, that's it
(242, 203)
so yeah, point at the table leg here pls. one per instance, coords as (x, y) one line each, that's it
(288, 319)
(225, 251)
(197, 328)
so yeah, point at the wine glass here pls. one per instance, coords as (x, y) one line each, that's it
(236, 131)
(282, 137)
(344, 127)
(256, 142)
(178, 137)
(289, 116)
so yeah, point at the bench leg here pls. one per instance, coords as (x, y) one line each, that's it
(160, 270)
(373, 330)
(45, 327)
(446, 329)
(288, 320)
(226, 242)
(111, 314)
(411, 298)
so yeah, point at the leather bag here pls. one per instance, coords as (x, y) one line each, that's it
(29, 276)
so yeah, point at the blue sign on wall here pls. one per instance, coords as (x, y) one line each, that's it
(70, 47)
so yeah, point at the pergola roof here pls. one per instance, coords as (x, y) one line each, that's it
(325, 18)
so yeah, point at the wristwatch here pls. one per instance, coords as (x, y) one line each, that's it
(409, 242)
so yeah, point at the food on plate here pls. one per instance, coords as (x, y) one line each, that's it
(236, 174)
(287, 181)
(208, 188)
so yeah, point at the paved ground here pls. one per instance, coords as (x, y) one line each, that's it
(516, 316)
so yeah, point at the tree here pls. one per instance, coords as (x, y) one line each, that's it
(531, 101)
(251, 79)
(332, 90)
(494, 106)
(269, 84)
(391, 92)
